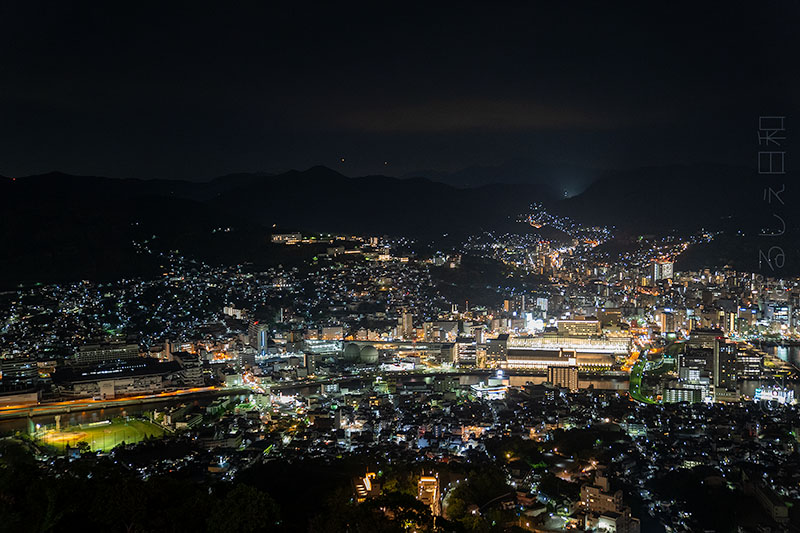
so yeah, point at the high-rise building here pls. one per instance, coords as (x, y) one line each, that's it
(704, 338)
(667, 321)
(407, 325)
(563, 376)
(661, 270)
(480, 334)
(258, 334)
(725, 379)
(497, 350)
(466, 354)
(748, 364)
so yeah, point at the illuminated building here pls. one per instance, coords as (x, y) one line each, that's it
(429, 493)
(466, 352)
(366, 487)
(675, 395)
(258, 336)
(748, 364)
(97, 353)
(774, 394)
(612, 346)
(725, 380)
(538, 353)
(407, 325)
(563, 376)
(286, 238)
(191, 368)
(331, 333)
(239, 314)
(605, 510)
(703, 338)
(661, 270)
(489, 392)
(117, 378)
(18, 374)
(497, 350)
(587, 327)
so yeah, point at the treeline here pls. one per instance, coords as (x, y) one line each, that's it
(98, 493)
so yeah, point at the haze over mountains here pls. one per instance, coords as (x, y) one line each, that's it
(560, 177)
(61, 227)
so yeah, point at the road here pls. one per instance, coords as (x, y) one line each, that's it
(636, 381)
(84, 404)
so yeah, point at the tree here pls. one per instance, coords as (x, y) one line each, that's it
(244, 509)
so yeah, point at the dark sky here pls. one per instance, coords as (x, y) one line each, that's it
(137, 89)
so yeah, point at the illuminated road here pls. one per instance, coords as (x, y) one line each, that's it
(636, 382)
(52, 408)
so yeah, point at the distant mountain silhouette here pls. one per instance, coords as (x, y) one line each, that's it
(322, 200)
(656, 199)
(63, 227)
(559, 177)
(685, 199)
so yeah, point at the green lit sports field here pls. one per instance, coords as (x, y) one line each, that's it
(102, 437)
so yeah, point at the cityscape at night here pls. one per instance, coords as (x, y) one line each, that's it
(490, 268)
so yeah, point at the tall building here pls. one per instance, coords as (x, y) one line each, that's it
(258, 335)
(704, 337)
(407, 325)
(466, 352)
(563, 376)
(667, 321)
(748, 364)
(497, 350)
(662, 270)
(725, 378)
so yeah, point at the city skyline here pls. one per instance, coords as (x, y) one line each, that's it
(485, 268)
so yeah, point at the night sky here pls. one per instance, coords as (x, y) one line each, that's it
(137, 89)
